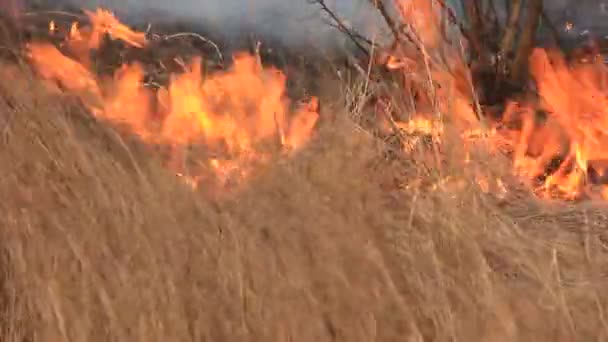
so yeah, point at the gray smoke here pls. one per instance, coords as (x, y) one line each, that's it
(300, 22)
(297, 22)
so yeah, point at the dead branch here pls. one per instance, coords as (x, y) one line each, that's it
(506, 45)
(494, 15)
(464, 31)
(379, 4)
(553, 29)
(353, 32)
(198, 36)
(534, 11)
(61, 13)
(339, 24)
(398, 31)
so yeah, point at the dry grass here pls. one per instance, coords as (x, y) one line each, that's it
(100, 243)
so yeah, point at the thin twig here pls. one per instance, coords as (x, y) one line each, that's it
(355, 37)
(67, 14)
(453, 20)
(198, 36)
(553, 29)
(534, 10)
(392, 25)
(510, 31)
(355, 34)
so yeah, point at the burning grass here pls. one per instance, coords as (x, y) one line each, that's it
(417, 229)
(231, 112)
(341, 242)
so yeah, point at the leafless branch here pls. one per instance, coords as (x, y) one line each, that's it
(398, 30)
(534, 11)
(339, 24)
(553, 29)
(454, 21)
(355, 34)
(198, 36)
(511, 29)
(63, 13)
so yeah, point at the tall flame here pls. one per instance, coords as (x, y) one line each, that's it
(232, 111)
(559, 148)
(558, 140)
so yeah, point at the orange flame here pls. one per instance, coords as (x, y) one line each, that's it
(105, 22)
(232, 112)
(239, 110)
(560, 150)
(577, 121)
(52, 64)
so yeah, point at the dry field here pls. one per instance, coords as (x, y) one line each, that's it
(345, 240)
(100, 242)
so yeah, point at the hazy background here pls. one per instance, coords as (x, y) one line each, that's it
(302, 23)
(289, 21)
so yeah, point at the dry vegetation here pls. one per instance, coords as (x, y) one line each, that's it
(344, 242)
(349, 239)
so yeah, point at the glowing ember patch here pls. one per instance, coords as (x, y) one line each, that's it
(419, 125)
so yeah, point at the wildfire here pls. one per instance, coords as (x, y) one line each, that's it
(104, 22)
(232, 112)
(575, 128)
(557, 139)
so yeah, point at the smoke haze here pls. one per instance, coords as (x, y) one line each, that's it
(288, 21)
